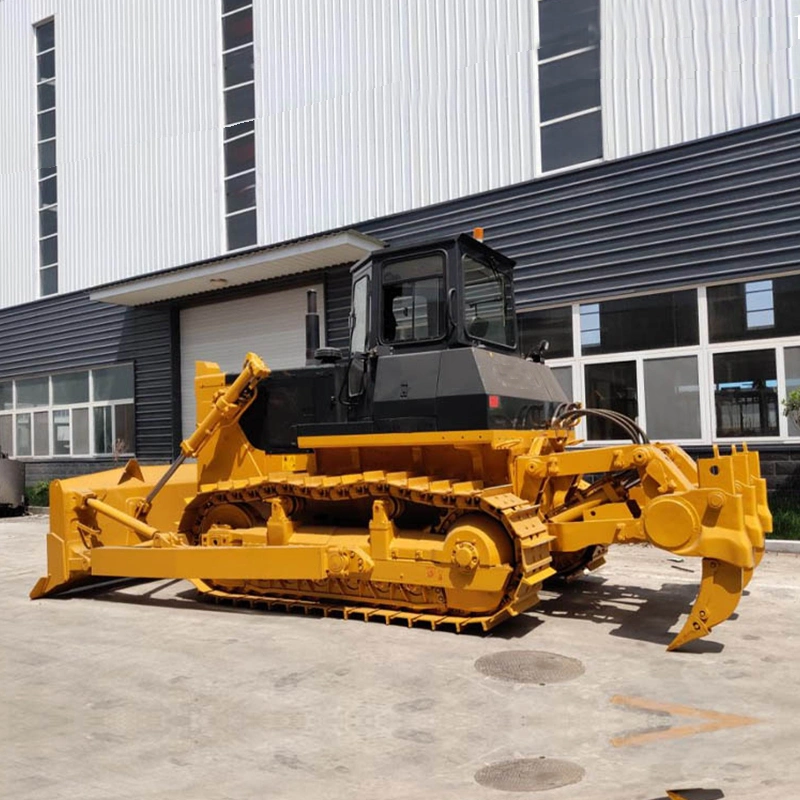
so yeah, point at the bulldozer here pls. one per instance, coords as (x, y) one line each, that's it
(431, 475)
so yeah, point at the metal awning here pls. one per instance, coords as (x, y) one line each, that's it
(258, 264)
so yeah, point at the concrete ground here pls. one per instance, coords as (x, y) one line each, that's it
(142, 692)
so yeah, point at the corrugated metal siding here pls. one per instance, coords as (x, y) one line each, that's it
(139, 154)
(367, 108)
(68, 332)
(18, 199)
(724, 207)
(677, 70)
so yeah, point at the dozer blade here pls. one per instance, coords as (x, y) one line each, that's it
(717, 599)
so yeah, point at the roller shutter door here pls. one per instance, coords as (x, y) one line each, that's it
(272, 325)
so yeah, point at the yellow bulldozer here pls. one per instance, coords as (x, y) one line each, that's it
(431, 475)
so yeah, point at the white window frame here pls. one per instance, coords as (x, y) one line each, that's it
(537, 161)
(39, 206)
(89, 405)
(704, 352)
(229, 132)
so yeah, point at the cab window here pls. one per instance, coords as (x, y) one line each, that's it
(488, 303)
(359, 320)
(413, 299)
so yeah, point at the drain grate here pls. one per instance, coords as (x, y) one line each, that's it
(529, 666)
(529, 774)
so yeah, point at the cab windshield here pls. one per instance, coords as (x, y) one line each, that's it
(488, 304)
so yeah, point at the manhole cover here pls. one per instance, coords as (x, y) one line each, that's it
(529, 666)
(529, 774)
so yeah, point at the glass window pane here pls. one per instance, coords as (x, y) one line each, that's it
(33, 392)
(46, 65)
(672, 398)
(564, 377)
(113, 383)
(572, 141)
(46, 95)
(238, 66)
(232, 5)
(791, 357)
(46, 172)
(24, 444)
(746, 393)
(569, 85)
(45, 36)
(48, 221)
(611, 386)
(47, 192)
(241, 230)
(47, 157)
(61, 433)
(553, 324)
(124, 433)
(41, 434)
(6, 396)
(70, 388)
(566, 25)
(754, 309)
(488, 303)
(48, 250)
(239, 104)
(6, 435)
(80, 431)
(103, 430)
(48, 280)
(240, 192)
(240, 155)
(47, 125)
(413, 302)
(640, 323)
(358, 337)
(237, 29)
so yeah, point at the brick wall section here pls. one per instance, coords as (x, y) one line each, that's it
(780, 464)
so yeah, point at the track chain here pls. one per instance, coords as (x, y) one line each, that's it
(519, 518)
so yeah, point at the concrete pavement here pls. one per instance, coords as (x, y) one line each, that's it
(140, 691)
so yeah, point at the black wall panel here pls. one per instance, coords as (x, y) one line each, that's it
(70, 331)
(722, 207)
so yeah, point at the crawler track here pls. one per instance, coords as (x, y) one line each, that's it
(349, 597)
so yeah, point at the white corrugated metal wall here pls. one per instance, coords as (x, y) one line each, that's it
(365, 108)
(19, 276)
(677, 70)
(368, 108)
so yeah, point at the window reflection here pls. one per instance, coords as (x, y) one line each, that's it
(746, 393)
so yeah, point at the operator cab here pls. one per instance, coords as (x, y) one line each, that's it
(433, 347)
(449, 293)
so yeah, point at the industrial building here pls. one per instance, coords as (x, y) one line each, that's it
(176, 175)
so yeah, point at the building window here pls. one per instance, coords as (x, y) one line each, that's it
(551, 324)
(791, 360)
(754, 310)
(81, 413)
(46, 140)
(569, 83)
(746, 393)
(640, 323)
(690, 366)
(672, 398)
(238, 80)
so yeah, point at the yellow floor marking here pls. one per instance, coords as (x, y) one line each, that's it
(715, 721)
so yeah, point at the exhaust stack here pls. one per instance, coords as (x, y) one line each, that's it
(312, 326)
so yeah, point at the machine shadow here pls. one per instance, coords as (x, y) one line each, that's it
(643, 614)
